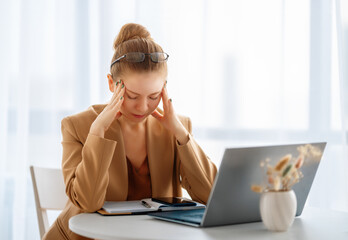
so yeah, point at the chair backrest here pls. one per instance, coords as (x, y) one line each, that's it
(49, 192)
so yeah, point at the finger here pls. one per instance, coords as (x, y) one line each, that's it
(157, 115)
(170, 105)
(119, 94)
(121, 91)
(119, 98)
(167, 102)
(118, 115)
(164, 99)
(165, 94)
(119, 86)
(116, 105)
(113, 95)
(117, 83)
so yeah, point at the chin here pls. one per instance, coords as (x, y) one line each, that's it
(136, 118)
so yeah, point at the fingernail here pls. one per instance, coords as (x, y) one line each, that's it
(122, 85)
(170, 100)
(116, 83)
(121, 98)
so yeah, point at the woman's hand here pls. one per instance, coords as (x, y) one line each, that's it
(170, 120)
(110, 112)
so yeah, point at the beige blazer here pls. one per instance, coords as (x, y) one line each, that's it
(95, 169)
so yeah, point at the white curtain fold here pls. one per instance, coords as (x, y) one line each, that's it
(341, 14)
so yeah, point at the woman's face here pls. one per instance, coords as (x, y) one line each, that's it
(142, 94)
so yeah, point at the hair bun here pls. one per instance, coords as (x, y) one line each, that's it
(131, 31)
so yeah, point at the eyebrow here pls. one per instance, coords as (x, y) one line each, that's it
(139, 94)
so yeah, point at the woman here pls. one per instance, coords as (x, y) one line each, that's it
(129, 149)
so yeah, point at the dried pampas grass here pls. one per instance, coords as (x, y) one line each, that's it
(286, 171)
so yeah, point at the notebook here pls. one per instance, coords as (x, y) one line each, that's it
(231, 200)
(142, 206)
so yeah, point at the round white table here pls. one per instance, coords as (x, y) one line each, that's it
(314, 224)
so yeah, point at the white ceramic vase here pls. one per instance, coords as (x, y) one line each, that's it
(278, 209)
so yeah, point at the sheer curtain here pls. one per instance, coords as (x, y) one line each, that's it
(246, 72)
(342, 63)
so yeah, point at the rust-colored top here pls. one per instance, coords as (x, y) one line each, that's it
(139, 181)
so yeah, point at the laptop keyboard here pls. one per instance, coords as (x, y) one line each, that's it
(192, 216)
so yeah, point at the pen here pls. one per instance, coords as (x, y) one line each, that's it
(145, 204)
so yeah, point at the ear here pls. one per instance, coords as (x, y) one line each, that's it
(111, 83)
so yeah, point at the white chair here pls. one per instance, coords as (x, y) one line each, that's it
(49, 192)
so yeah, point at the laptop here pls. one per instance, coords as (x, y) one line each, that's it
(231, 200)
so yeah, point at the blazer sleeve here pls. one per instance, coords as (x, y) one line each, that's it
(85, 167)
(197, 171)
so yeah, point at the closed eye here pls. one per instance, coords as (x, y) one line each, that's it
(132, 98)
(154, 98)
(136, 97)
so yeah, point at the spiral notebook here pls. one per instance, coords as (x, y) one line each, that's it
(142, 207)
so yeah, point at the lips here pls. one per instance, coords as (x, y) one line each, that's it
(138, 116)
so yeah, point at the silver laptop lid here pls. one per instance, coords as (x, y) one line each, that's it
(231, 200)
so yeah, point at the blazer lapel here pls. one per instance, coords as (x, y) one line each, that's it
(118, 171)
(160, 157)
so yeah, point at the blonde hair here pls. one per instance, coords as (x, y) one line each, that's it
(135, 38)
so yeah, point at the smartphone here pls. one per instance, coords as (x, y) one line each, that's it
(174, 201)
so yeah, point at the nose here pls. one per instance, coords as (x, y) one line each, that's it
(142, 106)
